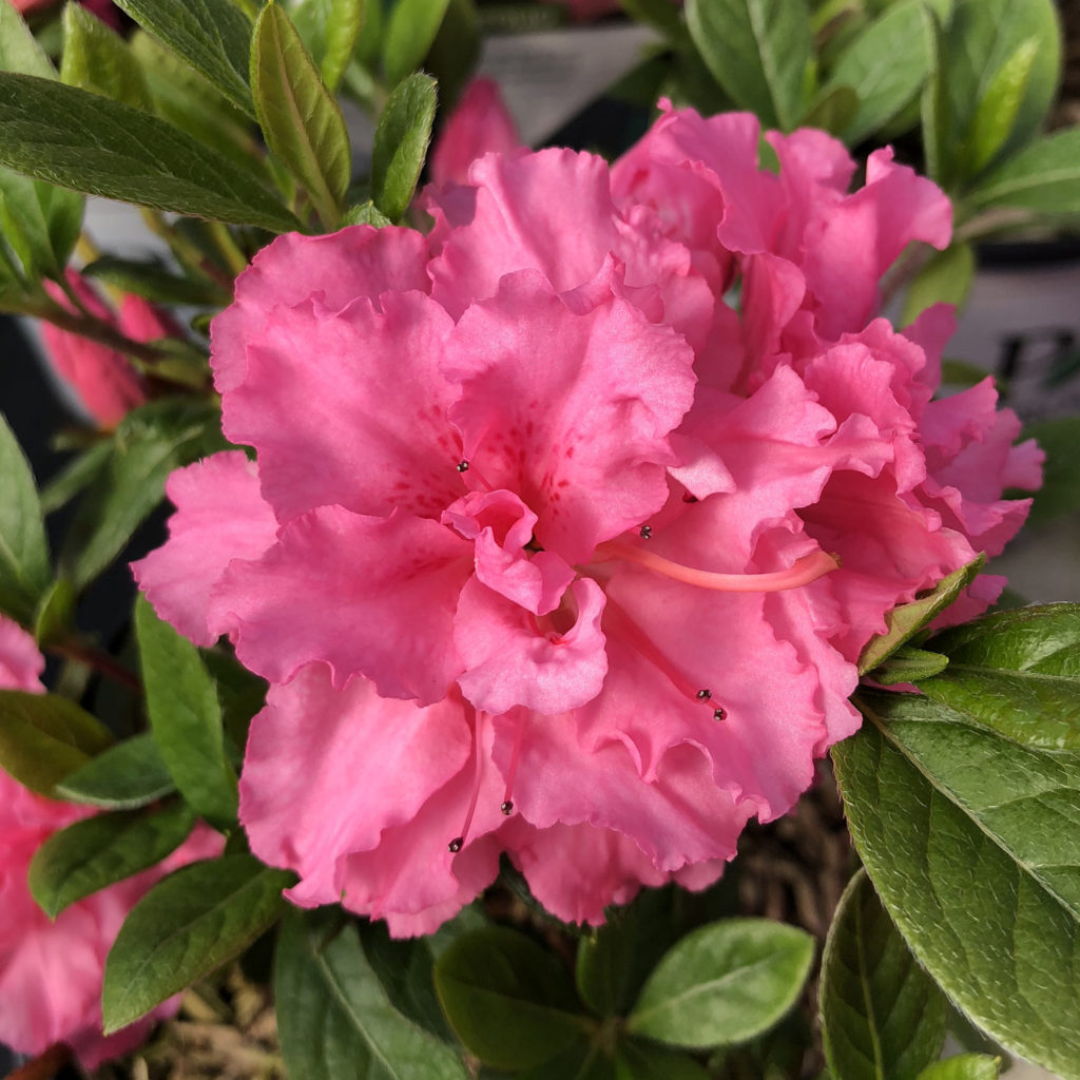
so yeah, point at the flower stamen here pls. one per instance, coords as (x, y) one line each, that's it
(458, 842)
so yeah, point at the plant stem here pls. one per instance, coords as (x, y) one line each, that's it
(99, 660)
(89, 326)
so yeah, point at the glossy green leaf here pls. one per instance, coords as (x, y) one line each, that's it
(149, 444)
(95, 58)
(187, 925)
(123, 777)
(910, 665)
(946, 279)
(757, 50)
(44, 738)
(401, 142)
(907, 620)
(330, 30)
(1016, 672)
(24, 552)
(724, 983)
(963, 1067)
(1043, 177)
(101, 850)
(55, 619)
(19, 50)
(213, 36)
(886, 65)
(334, 1019)
(185, 716)
(508, 999)
(1059, 495)
(300, 119)
(82, 141)
(935, 805)
(882, 1016)
(241, 693)
(152, 281)
(410, 32)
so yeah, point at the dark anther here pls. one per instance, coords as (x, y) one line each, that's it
(646, 532)
(507, 808)
(462, 466)
(456, 845)
(704, 695)
(689, 498)
(719, 714)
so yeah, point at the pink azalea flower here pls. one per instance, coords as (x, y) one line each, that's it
(479, 125)
(51, 970)
(103, 9)
(104, 379)
(540, 552)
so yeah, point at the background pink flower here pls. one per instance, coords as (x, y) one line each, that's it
(480, 124)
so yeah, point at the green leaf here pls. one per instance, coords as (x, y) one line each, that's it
(758, 51)
(963, 1067)
(961, 373)
(1059, 495)
(330, 30)
(213, 36)
(910, 665)
(44, 738)
(508, 999)
(1044, 177)
(79, 140)
(152, 281)
(98, 60)
(724, 983)
(907, 620)
(41, 222)
(74, 477)
(149, 444)
(185, 716)
(56, 616)
(334, 1019)
(19, 50)
(641, 1061)
(410, 32)
(833, 110)
(658, 13)
(123, 777)
(401, 142)
(365, 214)
(301, 121)
(187, 925)
(241, 693)
(946, 279)
(1016, 672)
(935, 805)
(24, 553)
(102, 850)
(455, 52)
(882, 1016)
(934, 108)
(886, 65)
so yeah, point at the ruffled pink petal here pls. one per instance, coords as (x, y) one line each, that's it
(366, 595)
(569, 408)
(349, 407)
(480, 124)
(334, 270)
(510, 661)
(314, 794)
(220, 516)
(21, 663)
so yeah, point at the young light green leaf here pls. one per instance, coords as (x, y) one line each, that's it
(1044, 177)
(946, 279)
(19, 49)
(910, 665)
(213, 36)
(410, 32)
(149, 444)
(886, 65)
(79, 140)
(98, 60)
(933, 805)
(55, 619)
(334, 1019)
(508, 999)
(101, 850)
(44, 738)
(724, 983)
(1016, 672)
(300, 119)
(365, 214)
(882, 1016)
(757, 50)
(963, 1067)
(401, 142)
(24, 552)
(126, 776)
(185, 717)
(330, 30)
(41, 222)
(187, 925)
(907, 620)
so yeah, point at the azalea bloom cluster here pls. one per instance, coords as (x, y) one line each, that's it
(570, 518)
(51, 970)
